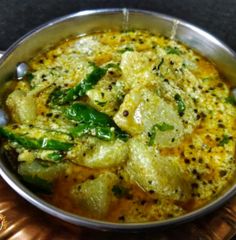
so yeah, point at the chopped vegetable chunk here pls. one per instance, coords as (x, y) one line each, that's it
(95, 195)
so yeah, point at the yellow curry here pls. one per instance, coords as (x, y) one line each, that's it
(122, 127)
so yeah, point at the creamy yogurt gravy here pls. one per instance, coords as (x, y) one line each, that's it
(163, 147)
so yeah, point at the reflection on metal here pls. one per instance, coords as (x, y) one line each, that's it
(3, 118)
(125, 25)
(174, 28)
(1, 53)
(21, 70)
(234, 93)
(3, 222)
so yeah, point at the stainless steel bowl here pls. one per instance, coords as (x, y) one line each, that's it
(97, 20)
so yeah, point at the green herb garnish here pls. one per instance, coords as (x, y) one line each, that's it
(29, 76)
(173, 50)
(161, 127)
(231, 100)
(101, 104)
(120, 191)
(130, 49)
(180, 104)
(224, 140)
(164, 127)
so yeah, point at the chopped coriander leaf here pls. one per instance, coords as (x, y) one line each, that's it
(224, 140)
(120, 191)
(125, 50)
(120, 97)
(231, 100)
(164, 127)
(113, 65)
(173, 50)
(180, 104)
(29, 76)
(161, 127)
(101, 104)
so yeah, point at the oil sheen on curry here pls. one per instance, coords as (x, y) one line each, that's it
(122, 127)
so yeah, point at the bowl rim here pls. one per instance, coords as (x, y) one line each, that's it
(24, 192)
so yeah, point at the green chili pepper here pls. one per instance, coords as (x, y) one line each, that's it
(104, 133)
(31, 143)
(85, 114)
(93, 122)
(60, 97)
(55, 156)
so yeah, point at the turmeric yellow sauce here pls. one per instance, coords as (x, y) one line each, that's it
(123, 127)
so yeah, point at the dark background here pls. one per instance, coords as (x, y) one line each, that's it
(19, 16)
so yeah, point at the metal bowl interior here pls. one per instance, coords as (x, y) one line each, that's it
(98, 20)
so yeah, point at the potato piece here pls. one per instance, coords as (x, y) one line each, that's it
(153, 172)
(107, 154)
(164, 113)
(136, 68)
(87, 45)
(132, 123)
(39, 88)
(21, 106)
(95, 153)
(36, 169)
(167, 90)
(94, 196)
(26, 156)
(145, 109)
(106, 96)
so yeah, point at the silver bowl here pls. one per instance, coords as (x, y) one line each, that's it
(96, 20)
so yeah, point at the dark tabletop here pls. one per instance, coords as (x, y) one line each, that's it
(19, 16)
